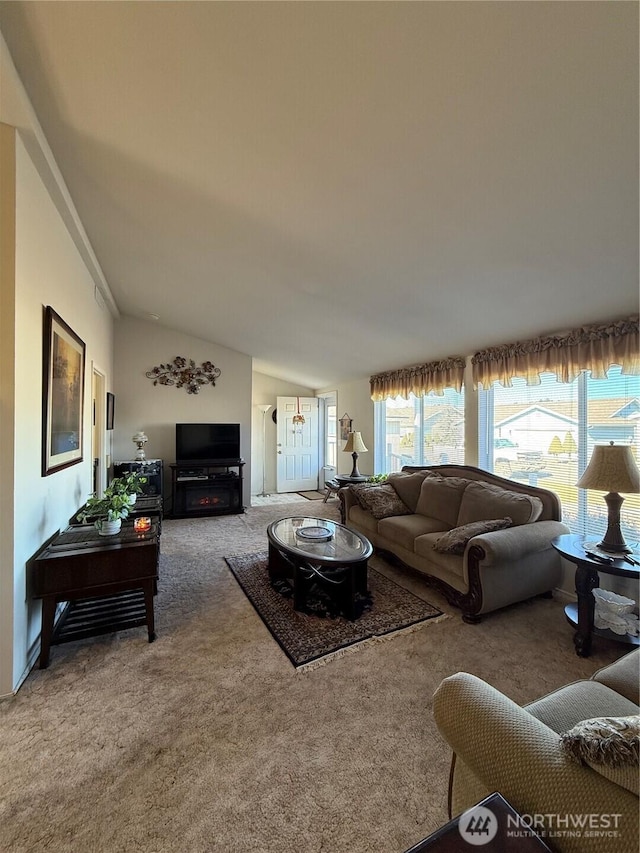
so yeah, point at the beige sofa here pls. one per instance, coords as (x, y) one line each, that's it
(494, 568)
(499, 746)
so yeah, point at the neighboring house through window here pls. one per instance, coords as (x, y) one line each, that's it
(542, 435)
(426, 430)
(553, 428)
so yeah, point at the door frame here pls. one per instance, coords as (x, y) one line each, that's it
(98, 429)
(326, 471)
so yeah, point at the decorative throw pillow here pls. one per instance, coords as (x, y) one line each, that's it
(440, 498)
(381, 501)
(612, 741)
(486, 500)
(455, 541)
(408, 485)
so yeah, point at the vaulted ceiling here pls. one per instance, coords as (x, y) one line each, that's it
(342, 188)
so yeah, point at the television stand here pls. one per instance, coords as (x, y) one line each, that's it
(199, 489)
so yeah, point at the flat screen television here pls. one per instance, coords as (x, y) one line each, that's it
(207, 443)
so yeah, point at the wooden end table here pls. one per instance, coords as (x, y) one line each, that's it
(580, 615)
(78, 565)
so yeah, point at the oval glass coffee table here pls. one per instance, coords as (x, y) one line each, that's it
(310, 550)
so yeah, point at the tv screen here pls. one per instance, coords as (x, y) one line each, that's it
(207, 442)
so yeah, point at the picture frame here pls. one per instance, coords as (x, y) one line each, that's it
(345, 426)
(63, 382)
(111, 410)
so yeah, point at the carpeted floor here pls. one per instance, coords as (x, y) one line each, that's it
(310, 640)
(208, 740)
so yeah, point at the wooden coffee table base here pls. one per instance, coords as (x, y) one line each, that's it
(340, 581)
(343, 581)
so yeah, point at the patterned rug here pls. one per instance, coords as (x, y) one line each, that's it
(312, 638)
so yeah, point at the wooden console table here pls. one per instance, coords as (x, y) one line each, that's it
(78, 565)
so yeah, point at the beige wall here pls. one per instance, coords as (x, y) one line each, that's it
(141, 345)
(266, 389)
(354, 399)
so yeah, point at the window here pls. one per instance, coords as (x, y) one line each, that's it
(427, 430)
(331, 446)
(544, 435)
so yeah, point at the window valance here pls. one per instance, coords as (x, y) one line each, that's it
(593, 348)
(419, 379)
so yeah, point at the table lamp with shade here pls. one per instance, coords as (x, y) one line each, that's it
(612, 469)
(140, 439)
(354, 446)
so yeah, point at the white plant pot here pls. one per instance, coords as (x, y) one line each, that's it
(108, 528)
(133, 498)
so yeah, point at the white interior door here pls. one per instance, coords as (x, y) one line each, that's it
(297, 445)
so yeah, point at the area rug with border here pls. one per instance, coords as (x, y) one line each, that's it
(312, 638)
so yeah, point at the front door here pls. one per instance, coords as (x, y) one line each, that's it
(297, 445)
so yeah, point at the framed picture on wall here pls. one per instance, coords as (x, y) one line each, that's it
(62, 394)
(111, 410)
(345, 426)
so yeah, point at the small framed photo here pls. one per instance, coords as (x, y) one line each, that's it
(111, 410)
(63, 395)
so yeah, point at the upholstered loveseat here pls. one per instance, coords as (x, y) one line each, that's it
(480, 567)
(550, 765)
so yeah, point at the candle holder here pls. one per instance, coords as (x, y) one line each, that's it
(142, 524)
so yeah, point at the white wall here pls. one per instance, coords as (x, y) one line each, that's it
(141, 345)
(354, 399)
(47, 260)
(7, 397)
(49, 271)
(266, 389)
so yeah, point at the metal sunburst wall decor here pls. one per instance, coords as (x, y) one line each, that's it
(184, 373)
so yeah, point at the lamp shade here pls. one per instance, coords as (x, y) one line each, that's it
(355, 444)
(612, 468)
(264, 407)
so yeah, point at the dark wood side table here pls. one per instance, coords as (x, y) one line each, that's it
(496, 821)
(572, 547)
(78, 564)
(343, 480)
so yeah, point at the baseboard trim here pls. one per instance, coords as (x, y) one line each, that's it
(564, 595)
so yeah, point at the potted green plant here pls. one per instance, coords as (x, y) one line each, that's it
(131, 485)
(106, 512)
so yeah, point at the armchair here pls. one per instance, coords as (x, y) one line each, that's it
(500, 746)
